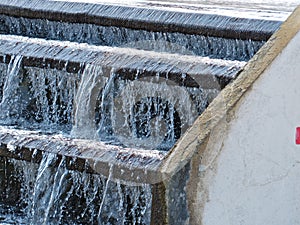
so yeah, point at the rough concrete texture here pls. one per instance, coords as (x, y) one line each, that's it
(258, 169)
(244, 163)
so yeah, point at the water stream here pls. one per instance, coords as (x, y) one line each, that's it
(36, 98)
(112, 100)
(149, 112)
(11, 102)
(146, 112)
(173, 42)
(51, 194)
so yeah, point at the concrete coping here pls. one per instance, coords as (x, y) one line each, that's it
(222, 107)
(135, 166)
(141, 18)
(63, 55)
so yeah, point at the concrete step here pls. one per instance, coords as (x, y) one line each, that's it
(129, 165)
(60, 83)
(186, 32)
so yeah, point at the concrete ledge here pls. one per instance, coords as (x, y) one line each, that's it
(128, 165)
(200, 71)
(194, 142)
(142, 18)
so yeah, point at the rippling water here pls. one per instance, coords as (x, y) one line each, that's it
(276, 9)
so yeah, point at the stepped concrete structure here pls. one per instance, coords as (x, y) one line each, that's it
(237, 164)
(242, 156)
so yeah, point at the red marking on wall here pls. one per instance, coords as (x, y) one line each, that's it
(297, 135)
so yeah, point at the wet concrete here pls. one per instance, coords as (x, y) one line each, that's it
(143, 18)
(179, 185)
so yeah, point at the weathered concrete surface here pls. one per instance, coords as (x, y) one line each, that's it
(244, 163)
(257, 173)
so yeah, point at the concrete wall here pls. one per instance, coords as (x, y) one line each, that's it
(256, 176)
(245, 165)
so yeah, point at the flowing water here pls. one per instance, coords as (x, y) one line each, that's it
(51, 194)
(174, 42)
(144, 110)
(106, 108)
(11, 102)
(36, 98)
(101, 102)
(145, 113)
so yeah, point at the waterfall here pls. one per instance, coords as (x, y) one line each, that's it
(92, 83)
(36, 98)
(148, 112)
(151, 112)
(51, 194)
(11, 102)
(173, 42)
(52, 95)
(146, 108)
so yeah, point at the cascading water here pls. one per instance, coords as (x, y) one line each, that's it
(173, 42)
(152, 113)
(52, 94)
(118, 97)
(11, 102)
(118, 102)
(48, 193)
(147, 112)
(36, 98)
(52, 194)
(92, 82)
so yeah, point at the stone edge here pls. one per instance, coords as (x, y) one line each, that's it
(195, 139)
